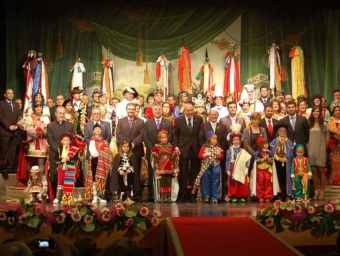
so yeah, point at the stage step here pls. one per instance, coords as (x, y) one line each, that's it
(332, 192)
(15, 193)
(11, 181)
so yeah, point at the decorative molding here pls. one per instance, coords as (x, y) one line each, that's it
(259, 78)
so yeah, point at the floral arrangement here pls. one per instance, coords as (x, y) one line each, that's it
(301, 216)
(35, 128)
(82, 216)
(23, 123)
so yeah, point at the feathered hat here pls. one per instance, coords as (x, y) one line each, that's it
(235, 128)
(199, 100)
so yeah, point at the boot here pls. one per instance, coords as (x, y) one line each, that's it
(101, 198)
(58, 197)
(95, 193)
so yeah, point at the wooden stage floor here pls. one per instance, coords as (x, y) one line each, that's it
(200, 209)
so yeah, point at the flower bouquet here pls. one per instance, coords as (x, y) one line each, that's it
(301, 216)
(84, 216)
(9, 213)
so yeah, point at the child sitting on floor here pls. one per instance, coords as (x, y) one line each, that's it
(37, 186)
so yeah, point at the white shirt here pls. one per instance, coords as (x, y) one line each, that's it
(92, 148)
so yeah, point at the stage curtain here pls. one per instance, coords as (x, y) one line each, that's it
(167, 33)
(318, 36)
(86, 26)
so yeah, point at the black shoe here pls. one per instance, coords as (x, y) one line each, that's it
(180, 199)
(4, 174)
(192, 198)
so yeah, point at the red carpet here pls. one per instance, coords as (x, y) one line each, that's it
(226, 236)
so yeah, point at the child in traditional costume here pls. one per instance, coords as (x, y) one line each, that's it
(37, 185)
(99, 166)
(237, 164)
(66, 159)
(209, 177)
(301, 174)
(122, 171)
(263, 180)
(165, 162)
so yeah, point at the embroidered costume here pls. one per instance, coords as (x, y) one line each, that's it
(37, 185)
(283, 147)
(237, 162)
(209, 177)
(300, 171)
(66, 173)
(101, 157)
(263, 180)
(165, 159)
(334, 145)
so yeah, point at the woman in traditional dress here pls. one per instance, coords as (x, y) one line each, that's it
(302, 108)
(179, 105)
(36, 145)
(167, 114)
(245, 112)
(276, 106)
(317, 146)
(334, 142)
(38, 98)
(199, 101)
(70, 114)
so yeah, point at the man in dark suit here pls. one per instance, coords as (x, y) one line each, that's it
(232, 118)
(54, 130)
(150, 137)
(186, 141)
(9, 133)
(264, 95)
(131, 128)
(268, 123)
(212, 125)
(88, 129)
(298, 127)
(59, 102)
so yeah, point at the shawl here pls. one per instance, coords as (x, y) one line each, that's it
(212, 158)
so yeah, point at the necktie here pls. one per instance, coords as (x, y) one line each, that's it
(130, 122)
(10, 103)
(264, 101)
(293, 122)
(270, 127)
(189, 124)
(158, 124)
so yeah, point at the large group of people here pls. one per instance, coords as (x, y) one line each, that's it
(263, 145)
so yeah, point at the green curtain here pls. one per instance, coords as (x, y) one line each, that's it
(318, 36)
(86, 26)
(194, 27)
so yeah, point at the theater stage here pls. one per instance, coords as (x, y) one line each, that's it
(164, 239)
